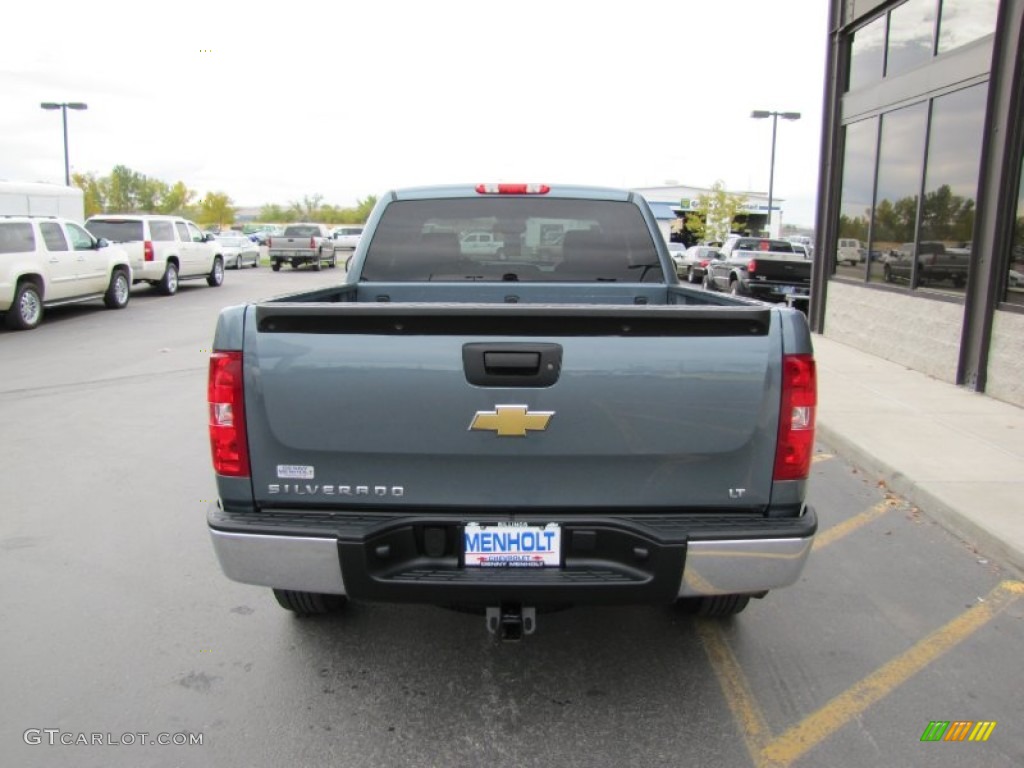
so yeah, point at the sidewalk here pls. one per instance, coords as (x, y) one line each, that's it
(957, 455)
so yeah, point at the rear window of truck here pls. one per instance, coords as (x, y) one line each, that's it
(116, 230)
(531, 239)
(301, 232)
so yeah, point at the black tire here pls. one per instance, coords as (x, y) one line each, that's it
(216, 277)
(316, 261)
(309, 603)
(168, 284)
(714, 606)
(276, 266)
(119, 291)
(690, 277)
(26, 310)
(734, 288)
(295, 263)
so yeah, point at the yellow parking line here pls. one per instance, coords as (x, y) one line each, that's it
(744, 706)
(814, 729)
(781, 752)
(848, 526)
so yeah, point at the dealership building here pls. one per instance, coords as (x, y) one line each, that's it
(921, 180)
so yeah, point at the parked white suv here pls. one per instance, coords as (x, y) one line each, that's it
(45, 261)
(163, 249)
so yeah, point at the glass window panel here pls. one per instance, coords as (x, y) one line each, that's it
(951, 188)
(900, 163)
(53, 236)
(855, 198)
(964, 21)
(1015, 281)
(911, 36)
(80, 239)
(867, 54)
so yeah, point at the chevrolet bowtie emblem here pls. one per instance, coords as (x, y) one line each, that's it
(511, 420)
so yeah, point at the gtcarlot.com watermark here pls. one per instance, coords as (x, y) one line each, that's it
(55, 737)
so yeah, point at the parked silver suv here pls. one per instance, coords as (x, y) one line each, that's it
(45, 261)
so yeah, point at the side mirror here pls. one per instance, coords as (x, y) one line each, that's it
(100, 242)
(208, 238)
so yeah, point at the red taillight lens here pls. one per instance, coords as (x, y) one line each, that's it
(268, 241)
(752, 266)
(312, 243)
(147, 250)
(512, 189)
(227, 415)
(796, 418)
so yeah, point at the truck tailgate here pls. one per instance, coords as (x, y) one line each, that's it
(511, 407)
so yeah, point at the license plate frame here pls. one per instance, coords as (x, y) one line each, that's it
(490, 545)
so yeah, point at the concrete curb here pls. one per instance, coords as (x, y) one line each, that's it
(930, 504)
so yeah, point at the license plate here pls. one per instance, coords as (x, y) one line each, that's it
(507, 545)
(787, 289)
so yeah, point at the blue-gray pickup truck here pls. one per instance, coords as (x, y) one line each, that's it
(557, 426)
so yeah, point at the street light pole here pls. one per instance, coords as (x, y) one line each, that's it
(760, 114)
(64, 107)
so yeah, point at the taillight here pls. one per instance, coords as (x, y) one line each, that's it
(796, 418)
(512, 189)
(227, 415)
(147, 250)
(752, 266)
(312, 243)
(269, 238)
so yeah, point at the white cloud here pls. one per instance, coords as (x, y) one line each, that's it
(348, 101)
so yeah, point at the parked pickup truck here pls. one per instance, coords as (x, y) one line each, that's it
(935, 263)
(302, 244)
(512, 434)
(760, 267)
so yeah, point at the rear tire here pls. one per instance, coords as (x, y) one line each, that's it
(216, 277)
(276, 266)
(309, 603)
(713, 606)
(118, 292)
(26, 310)
(734, 288)
(168, 284)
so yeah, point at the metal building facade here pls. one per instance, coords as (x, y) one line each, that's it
(921, 160)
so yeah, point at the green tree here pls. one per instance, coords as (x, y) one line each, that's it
(177, 200)
(309, 208)
(272, 213)
(713, 213)
(92, 192)
(216, 210)
(122, 189)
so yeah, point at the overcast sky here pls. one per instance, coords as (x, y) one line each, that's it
(272, 102)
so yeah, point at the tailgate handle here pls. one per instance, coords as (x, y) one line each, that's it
(512, 364)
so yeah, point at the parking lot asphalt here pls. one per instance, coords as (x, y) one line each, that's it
(957, 455)
(119, 621)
